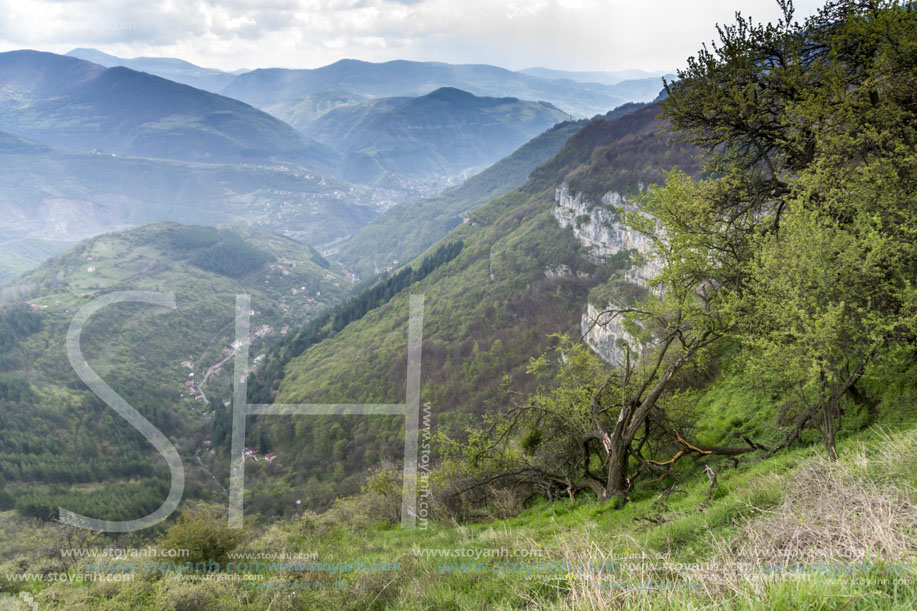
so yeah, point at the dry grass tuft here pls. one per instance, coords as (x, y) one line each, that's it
(855, 513)
(831, 514)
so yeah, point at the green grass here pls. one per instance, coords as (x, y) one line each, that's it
(688, 560)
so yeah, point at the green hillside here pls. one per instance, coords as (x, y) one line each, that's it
(751, 445)
(519, 278)
(60, 444)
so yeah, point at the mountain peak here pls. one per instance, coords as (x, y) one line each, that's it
(450, 94)
(95, 56)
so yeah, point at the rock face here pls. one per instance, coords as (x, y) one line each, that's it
(605, 334)
(595, 225)
(598, 228)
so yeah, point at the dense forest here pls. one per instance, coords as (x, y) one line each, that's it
(219, 250)
(263, 382)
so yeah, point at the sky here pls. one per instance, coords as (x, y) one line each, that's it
(652, 35)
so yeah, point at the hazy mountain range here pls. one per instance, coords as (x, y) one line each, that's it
(282, 91)
(437, 135)
(178, 70)
(75, 104)
(91, 142)
(300, 95)
(602, 77)
(50, 198)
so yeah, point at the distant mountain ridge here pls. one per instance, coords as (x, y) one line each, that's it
(178, 70)
(279, 90)
(594, 76)
(432, 137)
(301, 95)
(75, 104)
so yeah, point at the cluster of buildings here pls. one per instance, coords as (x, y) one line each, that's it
(253, 455)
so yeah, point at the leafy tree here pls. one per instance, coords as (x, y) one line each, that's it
(805, 227)
(798, 245)
(587, 429)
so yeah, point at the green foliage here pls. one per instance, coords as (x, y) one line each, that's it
(60, 445)
(206, 535)
(15, 389)
(191, 237)
(547, 443)
(266, 378)
(229, 255)
(17, 323)
(110, 501)
(802, 242)
(356, 307)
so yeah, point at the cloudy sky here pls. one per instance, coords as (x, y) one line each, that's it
(233, 34)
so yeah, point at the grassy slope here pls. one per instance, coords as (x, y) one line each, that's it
(792, 532)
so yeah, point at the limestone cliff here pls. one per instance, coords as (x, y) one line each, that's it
(598, 228)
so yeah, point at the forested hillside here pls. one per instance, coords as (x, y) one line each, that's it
(61, 445)
(519, 278)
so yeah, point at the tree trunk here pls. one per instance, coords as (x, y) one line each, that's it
(616, 481)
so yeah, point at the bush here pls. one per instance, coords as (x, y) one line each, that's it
(206, 536)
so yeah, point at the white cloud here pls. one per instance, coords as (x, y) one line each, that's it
(568, 34)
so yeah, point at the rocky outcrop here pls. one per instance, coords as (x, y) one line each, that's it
(602, 332)
(598, 228)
